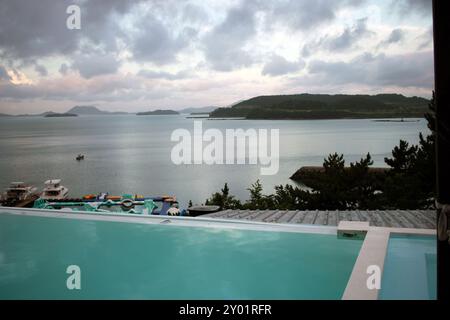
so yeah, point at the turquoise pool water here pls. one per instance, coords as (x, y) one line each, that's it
(410, 271)
(142, 261)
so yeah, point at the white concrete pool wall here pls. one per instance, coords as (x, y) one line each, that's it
(373, 250)
(373, 253)
(170, 220)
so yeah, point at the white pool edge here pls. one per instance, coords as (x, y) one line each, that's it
(171, 221)
(373, 253)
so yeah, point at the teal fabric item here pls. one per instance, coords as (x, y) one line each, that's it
(150, 205)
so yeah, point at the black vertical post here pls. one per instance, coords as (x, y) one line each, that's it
(441, 23)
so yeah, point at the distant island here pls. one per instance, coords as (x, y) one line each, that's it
(77, 110)
(322, 106)
(199, 113)
(91, 110)
(59, 115)
(199, 110)
(290, 107)
(158, 113)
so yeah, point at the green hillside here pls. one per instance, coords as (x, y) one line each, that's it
(314, 106)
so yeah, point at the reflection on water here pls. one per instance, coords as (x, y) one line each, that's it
(132, 154)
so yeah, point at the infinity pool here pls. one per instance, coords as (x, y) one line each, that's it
(153, 261)
(410, 271)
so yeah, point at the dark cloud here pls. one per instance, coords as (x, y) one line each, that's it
(4, 74)
(156, 43)
(397, 35)
(31, 30)
(407, 70)
(194, 13)
(91, 65)
(63, 69)
(19, 92)
(421, 7)
(349, 37)
(34, 29)
(41, 70)
(307, 14)
(104, 89)
(344, 41)
(426, 39)
(279, 66)
(224, 44)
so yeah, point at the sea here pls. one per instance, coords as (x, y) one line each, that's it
(132, 154)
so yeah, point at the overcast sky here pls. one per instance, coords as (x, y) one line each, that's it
(143, 55)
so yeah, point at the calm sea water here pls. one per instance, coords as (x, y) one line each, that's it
(131, 154)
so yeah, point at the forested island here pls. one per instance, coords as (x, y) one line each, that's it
(60, 115)
(322, 106)
(158, 113)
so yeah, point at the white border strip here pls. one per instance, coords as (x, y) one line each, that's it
(373, 253)
(171, 221)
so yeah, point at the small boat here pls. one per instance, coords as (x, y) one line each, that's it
(53, 190)
(18, 192)
(80, 157)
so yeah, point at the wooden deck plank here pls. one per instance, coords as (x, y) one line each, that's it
(412, 221)
(298, 218)
(332, 218)
(310, 217)
(375, 219)
(253, 215)
(428, 218)
(233, 213)
(344, 216)
(244, 214)
(355, 216)
(265, 215)
(364, 216)
(287, 217)
(277, 216)
(422, 219)
(418, 219)
(394, 220)
(321, 218)
(219, 214)
(431, 214)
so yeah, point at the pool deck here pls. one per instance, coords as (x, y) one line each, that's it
(411, 219)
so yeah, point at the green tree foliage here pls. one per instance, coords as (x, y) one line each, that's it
(411, 182)
(224, 200)
(259, 201)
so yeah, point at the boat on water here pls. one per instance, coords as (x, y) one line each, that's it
(53, 190)
(80, 157)
(18, 192)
